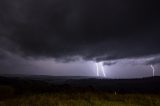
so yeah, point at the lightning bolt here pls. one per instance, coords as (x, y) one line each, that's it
(102, 67)
(153, 69)
(99, 66)
(97, 69)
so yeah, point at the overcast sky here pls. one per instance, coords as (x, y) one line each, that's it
(67, 37)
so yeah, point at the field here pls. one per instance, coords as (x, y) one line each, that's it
(29, 92)
(84, 99)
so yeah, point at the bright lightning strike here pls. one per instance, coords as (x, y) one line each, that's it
(101, 64)
(101, 68)
(153, 69)
(97, 69)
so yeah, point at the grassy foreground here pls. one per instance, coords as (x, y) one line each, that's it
(83, 99)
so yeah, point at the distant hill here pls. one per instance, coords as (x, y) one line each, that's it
(61, 83)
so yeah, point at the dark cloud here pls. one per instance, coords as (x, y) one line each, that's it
(109, 63)
(154, 61)
(100, 30)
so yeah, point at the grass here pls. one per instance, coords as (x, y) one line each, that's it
(37, 93)
(83, 99)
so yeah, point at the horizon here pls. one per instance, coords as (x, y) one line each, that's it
(72, 77)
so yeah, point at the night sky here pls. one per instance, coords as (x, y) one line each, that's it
(67, 37)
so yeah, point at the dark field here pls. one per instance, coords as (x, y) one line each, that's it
(78, 91)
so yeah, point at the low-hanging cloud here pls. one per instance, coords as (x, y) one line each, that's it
(109, 63)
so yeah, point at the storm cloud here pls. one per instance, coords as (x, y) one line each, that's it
(109, 63)
(91, 29)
